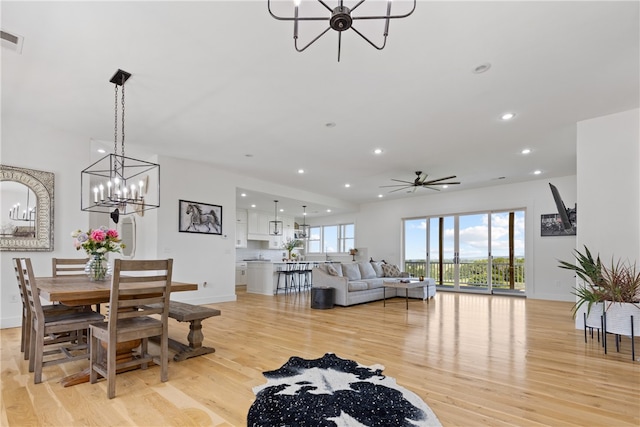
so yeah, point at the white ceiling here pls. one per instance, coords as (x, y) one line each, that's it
(220, 82)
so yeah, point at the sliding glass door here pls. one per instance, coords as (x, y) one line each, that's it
(480, 252)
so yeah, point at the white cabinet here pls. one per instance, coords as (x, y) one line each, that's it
(241, 235)
(260, 278)
(258, 226)
(241, 273)
(241, 216)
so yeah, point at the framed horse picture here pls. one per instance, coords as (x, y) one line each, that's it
(196, 217)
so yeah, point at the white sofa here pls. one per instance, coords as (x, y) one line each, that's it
(361, 282)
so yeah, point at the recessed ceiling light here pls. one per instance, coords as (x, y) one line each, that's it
(445, 186)
(328, 210)
(526, 151)
(330, 125)
(537, 172)
(508, 116)
(482, 68)
(281, 210)
(243, 195)
(253, 206)
(347, 185)
(380, 196)
(101, 150)
(300, 170)
(377, 151)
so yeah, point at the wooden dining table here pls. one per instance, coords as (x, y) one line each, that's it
(80, 291)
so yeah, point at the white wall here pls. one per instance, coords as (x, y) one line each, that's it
(379, 227)
(608, 178)
(197, 257)
(42, 147)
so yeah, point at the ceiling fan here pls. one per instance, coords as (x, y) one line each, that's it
(421, 181)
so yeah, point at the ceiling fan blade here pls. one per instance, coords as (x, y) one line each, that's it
(439, 179)
(430, 188)
(399, 189)
(396, 185)
(399, 180)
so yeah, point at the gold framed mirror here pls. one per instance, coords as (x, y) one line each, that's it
(26, 219)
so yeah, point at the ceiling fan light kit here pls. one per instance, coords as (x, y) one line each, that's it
(340, 18)
(421, 182)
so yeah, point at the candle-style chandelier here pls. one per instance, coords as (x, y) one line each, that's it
(117, 184)
(26, 213)
(340, 18)
(303, 232)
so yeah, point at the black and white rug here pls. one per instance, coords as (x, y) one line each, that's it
(335, 392)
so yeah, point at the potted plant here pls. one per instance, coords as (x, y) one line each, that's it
(590, 292)
(621, 285)
(290, 245)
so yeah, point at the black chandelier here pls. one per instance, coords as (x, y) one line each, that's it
(117, 184)
(341, 18)
(303, 233)
(275, 226)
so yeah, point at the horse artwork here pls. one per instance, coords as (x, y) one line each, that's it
(198, 217)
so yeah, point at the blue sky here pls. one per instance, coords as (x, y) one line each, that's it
(474, 230)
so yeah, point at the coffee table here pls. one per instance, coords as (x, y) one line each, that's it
(405, 284)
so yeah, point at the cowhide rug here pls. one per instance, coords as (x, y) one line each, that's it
(335, 392)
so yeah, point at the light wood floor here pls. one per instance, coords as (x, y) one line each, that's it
(476, 360)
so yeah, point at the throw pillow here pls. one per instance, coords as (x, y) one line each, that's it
(391, 270)
(377, 267)
(366, 270)
(332, 270)
(351, 271)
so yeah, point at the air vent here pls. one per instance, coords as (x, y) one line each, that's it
(11, 41)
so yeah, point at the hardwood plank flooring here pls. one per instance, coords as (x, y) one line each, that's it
(476, 360)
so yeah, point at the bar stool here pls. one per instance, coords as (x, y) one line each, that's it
(304, 275)
(288, 271)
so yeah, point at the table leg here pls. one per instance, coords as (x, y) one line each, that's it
(406, 296)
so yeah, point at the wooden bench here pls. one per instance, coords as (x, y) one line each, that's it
(194, 314)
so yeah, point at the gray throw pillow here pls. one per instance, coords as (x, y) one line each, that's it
(351, 271)
(377, 267)
(366, 270)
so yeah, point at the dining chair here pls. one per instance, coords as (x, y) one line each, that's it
(49, 309)
(70, 267)
(139, 288)
(62, 327)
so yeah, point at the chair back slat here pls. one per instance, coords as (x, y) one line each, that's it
(138, 301)
(31, 290)
(130, 302)
(68, 266)
(20, 279)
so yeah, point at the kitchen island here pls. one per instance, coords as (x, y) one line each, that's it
(262, 276)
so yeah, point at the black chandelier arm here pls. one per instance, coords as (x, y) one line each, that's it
(324, 18)
(295, 40)
(293, 18)
(388, 10)
(369, 41)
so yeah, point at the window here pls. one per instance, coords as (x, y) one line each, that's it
(331, 238)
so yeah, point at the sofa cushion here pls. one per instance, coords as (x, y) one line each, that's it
(366, 270)
(374, 283)
(391, 270)
(377, 267)
(351, 271)
(333, 271)
(355, 286)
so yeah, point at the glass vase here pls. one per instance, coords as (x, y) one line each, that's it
(97, 268)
